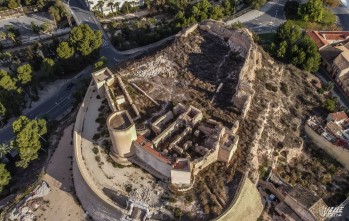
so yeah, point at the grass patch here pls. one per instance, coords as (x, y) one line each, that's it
(327, 22)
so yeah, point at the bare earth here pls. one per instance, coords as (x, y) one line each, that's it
(61, 203)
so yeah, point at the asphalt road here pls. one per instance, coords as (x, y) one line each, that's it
(63, 100)
(266, 19)
(343, 16)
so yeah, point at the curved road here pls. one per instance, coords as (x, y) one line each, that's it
(63, 101)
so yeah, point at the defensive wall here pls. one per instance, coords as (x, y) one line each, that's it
(246, 204)
(92, 199)
(338, 153)
(246, 199)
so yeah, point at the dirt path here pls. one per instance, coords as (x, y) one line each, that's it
(61, 203)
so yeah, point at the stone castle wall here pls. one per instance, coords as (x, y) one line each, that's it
(93, 200)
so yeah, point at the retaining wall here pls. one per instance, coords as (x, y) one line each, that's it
(338, 153)
(246, 205)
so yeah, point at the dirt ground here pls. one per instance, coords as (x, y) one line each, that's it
(61, 204)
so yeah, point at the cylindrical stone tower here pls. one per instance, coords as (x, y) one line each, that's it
(122, 132)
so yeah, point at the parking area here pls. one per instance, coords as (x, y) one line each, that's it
(23, 23)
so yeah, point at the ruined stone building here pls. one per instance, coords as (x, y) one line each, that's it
(174, 147)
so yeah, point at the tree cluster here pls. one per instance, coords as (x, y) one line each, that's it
(58, 11)
(198, 12)
(12, 87)
(312, 11)
(81, 47)
(291, 46)
(28, 134)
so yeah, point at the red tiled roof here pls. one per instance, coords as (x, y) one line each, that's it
(318, 39)
(335, 35)
(333, 128)
(338, 116)
(148, 147)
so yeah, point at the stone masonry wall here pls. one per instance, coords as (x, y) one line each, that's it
(338, 153)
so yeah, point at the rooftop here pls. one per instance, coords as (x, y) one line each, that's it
(303, 196)
(338, 116)
(120, 120)
(102, 75)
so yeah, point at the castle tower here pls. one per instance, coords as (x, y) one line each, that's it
(122, 132)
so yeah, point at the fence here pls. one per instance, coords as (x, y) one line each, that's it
(18, 12)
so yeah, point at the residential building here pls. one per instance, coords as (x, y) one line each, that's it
(334, 49)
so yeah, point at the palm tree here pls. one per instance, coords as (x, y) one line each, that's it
(100, 5)
(117, 6)
(4, 149)
(111, 5)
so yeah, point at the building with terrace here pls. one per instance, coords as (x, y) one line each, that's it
(334, 50)
(174, 147)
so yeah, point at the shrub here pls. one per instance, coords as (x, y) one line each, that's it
(96, 137)
(189, 198)
(284, 88)
(271, 87)
(177, 212)
(128, 188)
(95, 150)
(117, 165)
(98, 158)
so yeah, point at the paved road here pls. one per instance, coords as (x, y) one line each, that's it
(343, 16)
(268, 18)
(63, 100)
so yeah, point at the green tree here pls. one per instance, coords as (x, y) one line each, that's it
(64, 51)
(7, 82)
(281, 52)
(12, 36)
(41, 4)
(2, 110)
(217, 13)
(313, 58)
(13, 4)
(126, 8)
(27, 2)
(101, 63)
(227, 9)
(4, 149)
(117, 6)
(55, 14)
(329, 105)
(48, 67)
(27, 141)
(100, 5)
(5, 177)
(84, 39)
(35, 28)
(46, 27)
(111, 5)
(288, 32)
(313, 10)
(24, 73)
